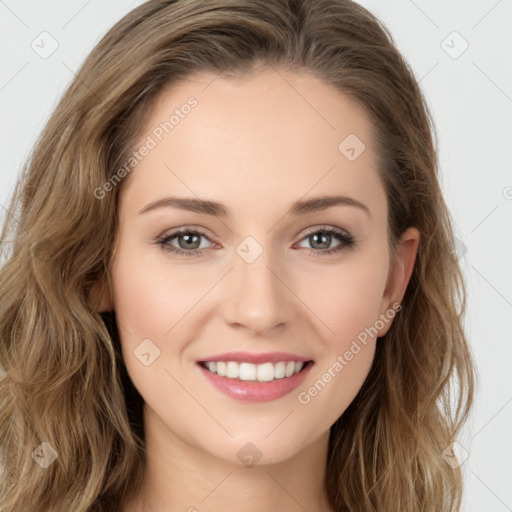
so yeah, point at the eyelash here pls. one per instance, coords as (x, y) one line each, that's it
(347, 240)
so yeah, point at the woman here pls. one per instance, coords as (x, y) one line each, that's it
(232, 281)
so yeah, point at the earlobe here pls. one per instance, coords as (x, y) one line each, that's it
(401, 271)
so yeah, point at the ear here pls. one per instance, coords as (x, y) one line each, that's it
(400, 273)
(100, 298)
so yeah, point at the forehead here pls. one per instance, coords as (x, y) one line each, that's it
(252, 137)
(269, 107)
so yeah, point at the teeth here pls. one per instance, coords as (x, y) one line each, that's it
(265, 372)
(247, 371)
(221, 368)
(280, 370)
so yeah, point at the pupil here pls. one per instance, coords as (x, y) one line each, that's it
(325, 236)
(188, 240)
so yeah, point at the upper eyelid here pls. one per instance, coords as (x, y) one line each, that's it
(325, 227)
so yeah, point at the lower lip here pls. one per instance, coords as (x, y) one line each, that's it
(251, 391)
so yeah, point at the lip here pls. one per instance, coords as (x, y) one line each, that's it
(254, 358)
(253, 391)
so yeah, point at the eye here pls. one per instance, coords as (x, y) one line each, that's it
(189, 241)
(320, 240)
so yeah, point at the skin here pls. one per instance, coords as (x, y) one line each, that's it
(255, 144)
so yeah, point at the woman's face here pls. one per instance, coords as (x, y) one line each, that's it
(272, 271)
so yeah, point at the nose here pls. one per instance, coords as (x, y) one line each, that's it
(257, 296)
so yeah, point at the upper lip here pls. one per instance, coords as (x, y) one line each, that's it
(248, 357)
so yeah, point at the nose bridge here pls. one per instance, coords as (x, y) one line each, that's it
(258, 299)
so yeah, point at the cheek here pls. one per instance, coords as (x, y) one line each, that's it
(348, 297)
(334, 385)
(159, 302)
(149, 298)
(150, 304)
(350, 306)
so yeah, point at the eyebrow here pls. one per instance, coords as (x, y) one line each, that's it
(213, 208)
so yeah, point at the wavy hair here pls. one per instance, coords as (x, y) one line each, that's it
(65, 382)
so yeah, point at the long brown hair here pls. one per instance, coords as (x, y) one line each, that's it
(65, 386)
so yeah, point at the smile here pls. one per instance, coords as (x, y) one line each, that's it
(255, 377)
(266, 372)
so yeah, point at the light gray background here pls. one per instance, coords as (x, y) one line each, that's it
(471, 99)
